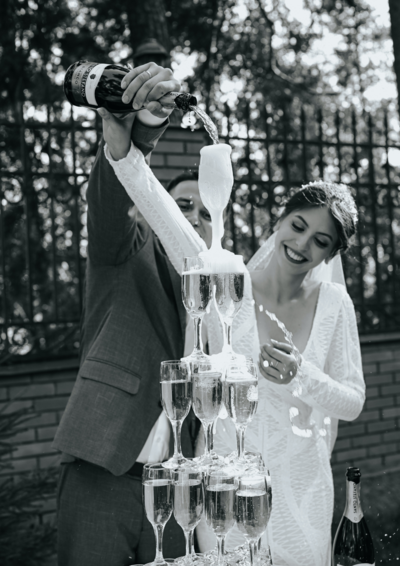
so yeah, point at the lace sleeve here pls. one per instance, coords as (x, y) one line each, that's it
(157, 206)
(339, 393)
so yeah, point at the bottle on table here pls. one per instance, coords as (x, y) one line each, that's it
(353, 543)
(96, 85)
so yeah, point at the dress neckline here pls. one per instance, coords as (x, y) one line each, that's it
(313, 324)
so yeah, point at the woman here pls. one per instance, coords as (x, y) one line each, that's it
(297, 275)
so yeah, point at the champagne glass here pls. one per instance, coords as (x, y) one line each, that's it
(157, 486)
(215, 186)
(228, 291)
(196, 297)
(176, 399)
(207, 391)
(220, 507)
(241, 397)
(188, 509)
(253, 509)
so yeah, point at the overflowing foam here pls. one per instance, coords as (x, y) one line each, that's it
(221, 261)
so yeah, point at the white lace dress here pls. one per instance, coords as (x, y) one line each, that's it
(295, 426)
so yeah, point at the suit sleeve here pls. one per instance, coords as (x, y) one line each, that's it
(112, 233)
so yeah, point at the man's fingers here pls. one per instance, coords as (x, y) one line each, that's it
(162, 88)
(133, 73)
(155, 77)
(158, 110)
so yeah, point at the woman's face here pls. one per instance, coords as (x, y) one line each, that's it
(187, 196)
(305, 238)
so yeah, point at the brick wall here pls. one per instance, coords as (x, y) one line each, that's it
(372, 441)
(177, 150)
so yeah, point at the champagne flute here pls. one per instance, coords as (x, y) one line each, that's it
(207, 391)
(253, 508)
(228, 291)
(241, 397)
(157, 487)
(220, 507)
(188, 509)
(196, 297)
(176, 399)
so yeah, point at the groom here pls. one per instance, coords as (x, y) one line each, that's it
(133, 319)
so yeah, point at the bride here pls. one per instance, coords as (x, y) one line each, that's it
(303, 392)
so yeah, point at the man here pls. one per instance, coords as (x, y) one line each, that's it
(133, 319)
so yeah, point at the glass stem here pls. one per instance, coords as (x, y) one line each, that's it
(208, 435)
(227, 337)
(252, 551)
(176, 428)
(158, 531)
(268, 548)
(221, 550)
(240, 432)
(198, 344)
(189, 543)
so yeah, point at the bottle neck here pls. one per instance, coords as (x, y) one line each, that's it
(353, 509)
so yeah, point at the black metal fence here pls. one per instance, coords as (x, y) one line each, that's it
(44, 167)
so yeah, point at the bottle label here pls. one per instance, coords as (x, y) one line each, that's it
(92, 81)
(79, 80)
(353, 509)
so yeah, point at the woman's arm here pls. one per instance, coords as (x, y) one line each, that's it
(157, 206)
(340, 392)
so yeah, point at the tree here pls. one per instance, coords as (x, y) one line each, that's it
(394, 10)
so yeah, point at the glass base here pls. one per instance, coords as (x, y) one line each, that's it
(192, 560)
(208, 462)
(240, 556)
(176, 462)
(230, 358)
(196, 357)
(164, 562)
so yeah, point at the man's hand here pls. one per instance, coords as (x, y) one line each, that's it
(117, 132)
(146, 84)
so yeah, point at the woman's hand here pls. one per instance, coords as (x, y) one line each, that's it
(278, 362)
(146, 84)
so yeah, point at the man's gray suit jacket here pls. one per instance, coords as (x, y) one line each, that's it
(133, 319)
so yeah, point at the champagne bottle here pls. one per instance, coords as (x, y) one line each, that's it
(353, 543)
(97, 85)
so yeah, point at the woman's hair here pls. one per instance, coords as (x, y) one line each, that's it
(337, 198)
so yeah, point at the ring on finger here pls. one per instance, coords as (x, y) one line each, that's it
(148, 72)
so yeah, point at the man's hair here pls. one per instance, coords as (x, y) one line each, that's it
(189, 175)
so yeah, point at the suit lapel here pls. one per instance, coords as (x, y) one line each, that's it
(176, 285)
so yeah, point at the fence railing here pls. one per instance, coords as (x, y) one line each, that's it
(44, 167)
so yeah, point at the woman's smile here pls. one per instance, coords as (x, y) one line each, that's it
(292, 256)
